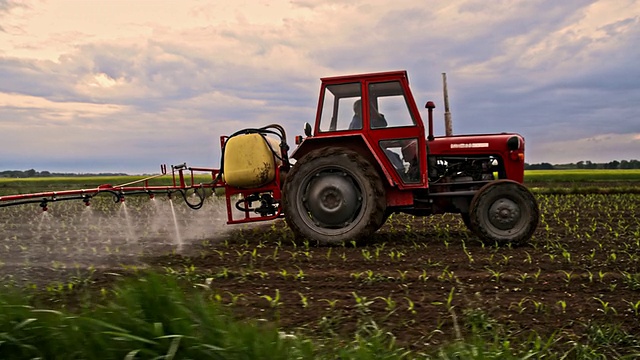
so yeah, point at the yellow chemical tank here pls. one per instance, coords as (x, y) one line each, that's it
(249, 162)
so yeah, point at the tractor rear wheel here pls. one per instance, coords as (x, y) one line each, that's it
(333, 195)
(505, 212)
(466, 219)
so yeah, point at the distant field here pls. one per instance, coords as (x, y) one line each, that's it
(537, 177)
(581, 175)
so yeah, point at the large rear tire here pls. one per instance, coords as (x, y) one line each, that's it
(333, 195)
(505, 212)
(466, 219)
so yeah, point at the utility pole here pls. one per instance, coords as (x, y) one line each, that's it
(448, 124)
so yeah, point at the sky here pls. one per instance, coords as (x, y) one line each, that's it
(124, 86)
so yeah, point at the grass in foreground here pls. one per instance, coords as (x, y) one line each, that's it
(154, 317)
(147, 318)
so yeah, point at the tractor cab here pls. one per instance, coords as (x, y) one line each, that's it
(377, 114)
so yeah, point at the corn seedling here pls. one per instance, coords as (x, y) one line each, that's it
(528, 259)
(304, 301)
(274, 302)
(631, 280)
(635, 307)
(331, 303)
(467, 252)
(299, 275)
(403, 275)
(390, 304)
(563, 305)
(362, 304)
(423, 277)
(536, 275)
(495, 274)
(448, 304)
(411, 307)
(523, 277)
(538, 306)
(234, 297)
(605, 307)
(568, 275)
(519, 306)
(446, 275)
(601, 275)
(284, 273)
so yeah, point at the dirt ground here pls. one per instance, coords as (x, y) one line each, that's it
(425, 280)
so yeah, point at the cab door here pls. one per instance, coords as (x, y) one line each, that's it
(393, 126)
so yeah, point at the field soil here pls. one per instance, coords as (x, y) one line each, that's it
(425, 280)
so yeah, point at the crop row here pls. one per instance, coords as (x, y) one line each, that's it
(426, 280)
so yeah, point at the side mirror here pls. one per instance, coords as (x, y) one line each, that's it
(307, 129)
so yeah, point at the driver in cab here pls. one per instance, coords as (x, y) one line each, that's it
(377, 119)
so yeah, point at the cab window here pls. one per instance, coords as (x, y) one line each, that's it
(403, 154)
(389, 105)
(337, 107)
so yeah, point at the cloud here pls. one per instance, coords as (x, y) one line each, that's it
(134, 85)
(599, 148)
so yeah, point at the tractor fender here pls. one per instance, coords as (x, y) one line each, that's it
(356, 142)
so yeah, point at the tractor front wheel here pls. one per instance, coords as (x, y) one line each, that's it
(505, 212)
(333, 195)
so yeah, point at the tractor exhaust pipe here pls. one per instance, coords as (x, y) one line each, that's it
(430, 106)
(448, 124)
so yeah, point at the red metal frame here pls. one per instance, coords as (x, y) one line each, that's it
(272, 188)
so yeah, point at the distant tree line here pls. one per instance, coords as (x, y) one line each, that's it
(33, 173)
(615, 164)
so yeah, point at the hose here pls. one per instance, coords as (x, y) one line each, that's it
(201, 195)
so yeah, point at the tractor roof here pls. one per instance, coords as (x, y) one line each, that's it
(368, 76)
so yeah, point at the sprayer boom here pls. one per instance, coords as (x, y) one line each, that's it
(181, 183)
(253, 161)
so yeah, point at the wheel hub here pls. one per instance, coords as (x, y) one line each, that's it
(332, 199)
(504, 214)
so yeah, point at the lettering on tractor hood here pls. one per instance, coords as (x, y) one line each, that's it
(469, 145)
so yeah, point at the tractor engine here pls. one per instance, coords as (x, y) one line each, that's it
(452, 169)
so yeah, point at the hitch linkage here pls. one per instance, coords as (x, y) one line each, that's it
(267, 204)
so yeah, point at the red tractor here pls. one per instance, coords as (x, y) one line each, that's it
(366, 157)
(362, 163)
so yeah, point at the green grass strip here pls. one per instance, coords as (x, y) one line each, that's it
(581, 175)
